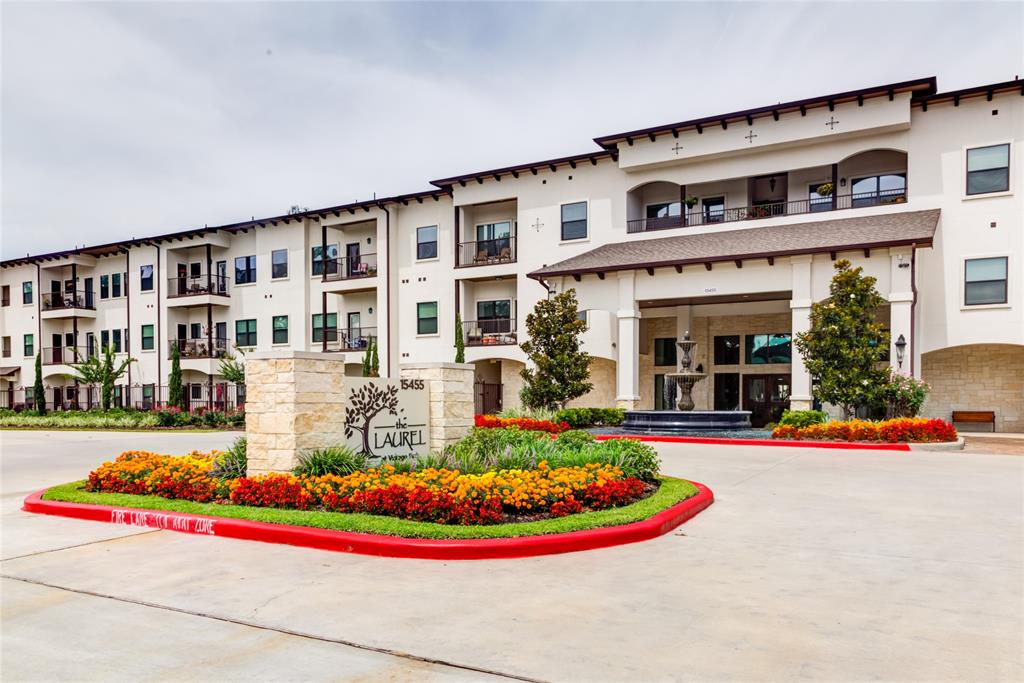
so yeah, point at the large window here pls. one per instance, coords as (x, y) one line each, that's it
(714, 209)
(318, 259)
(146, 278)
(988, 169)
(115, 285)
(727, 350)
(664, 210)
(318, 327)
(768, 348)
(493, 241)
(279, 264)
(280, 328)
(426, 242)
(500, 309)
(29, 343)
(104, 339)
(665, 351)
(878, 189)
(115, 343)
(245, 332)
(26, 292)
(985, 281)
(245, 269)
(574, 221)
(104, 286)
(426, 317)
(147, 338)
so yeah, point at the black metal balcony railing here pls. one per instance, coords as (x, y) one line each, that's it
(199, 348)
(487, 332)
(58, 355)
(57, 301)
(188, 285)
(697, 217)
(487, 252)
(347, 268)
(350, 339)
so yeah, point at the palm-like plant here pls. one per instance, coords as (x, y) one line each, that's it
(104, 372)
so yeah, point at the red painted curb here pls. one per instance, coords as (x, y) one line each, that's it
(844, 445)
(382, 546)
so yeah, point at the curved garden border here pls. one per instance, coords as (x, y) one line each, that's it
(382, 546)
(792, 443)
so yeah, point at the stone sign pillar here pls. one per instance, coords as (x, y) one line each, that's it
(294, 400)
(451, 399)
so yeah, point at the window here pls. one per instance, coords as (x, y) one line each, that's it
(7, 347)
(985, 281)
(664, 210)
(195, 391)
(104, 339)
(116, 340)
(426, 242)
(115, 285)
(279, 263)
(148, 393)
(318, 259)
(665, 351)
(714, 209)
(280, 329)
(104, 286)
(816, 201)
(768, 348)
(574, 221)
(727, 350)
(988, 169)
(492, 310)
(6, 295)
(727, 391)
(318, 327)
(147, 337)
(195, 270)
(29, 344)
(878, 189)
(26, 292)
(146, 278)
(493, 241)
(195, 330)
(90, 344)
(245, 269)
(426, 317)
(245, 332)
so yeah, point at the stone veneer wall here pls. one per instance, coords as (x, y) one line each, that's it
(451, 399)
(602, 395)
(511, 383)
(294, 400)
(976, 377)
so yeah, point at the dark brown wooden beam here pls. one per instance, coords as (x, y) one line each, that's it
(679, 268)
(577, 277)
(651, 136)
(650, 271)
(771, 260)
(739, 263)
(600, 276)
(707, 265)
(832, 255)
(629, 141)
(867, 253)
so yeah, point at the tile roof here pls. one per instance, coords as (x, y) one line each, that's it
(862, 232)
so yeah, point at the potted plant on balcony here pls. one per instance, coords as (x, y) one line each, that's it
(690, 201)
(824, 190)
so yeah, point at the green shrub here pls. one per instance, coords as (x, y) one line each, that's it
(535, 414)
(340, 460)
(636, 458)
(802, 418)
(581, 418)
(574, 439)
(236, 419)
(213, 418)
(232, 463)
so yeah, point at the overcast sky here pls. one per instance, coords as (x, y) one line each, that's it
(124, 120)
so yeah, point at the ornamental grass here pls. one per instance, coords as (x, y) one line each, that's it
(899, 430)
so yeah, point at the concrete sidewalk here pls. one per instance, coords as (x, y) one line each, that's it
(812, 564)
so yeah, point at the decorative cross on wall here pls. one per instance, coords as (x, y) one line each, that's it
(832, 123)
(750, 137)
(537, 225)
(678, 148)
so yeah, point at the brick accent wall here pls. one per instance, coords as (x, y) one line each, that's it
(976, 377)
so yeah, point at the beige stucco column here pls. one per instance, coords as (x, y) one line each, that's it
(627, 373)
(901, 299)
(294, 401)
(451, 399)
(800, 308)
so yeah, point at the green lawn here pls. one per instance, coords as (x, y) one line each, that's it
(668, 494)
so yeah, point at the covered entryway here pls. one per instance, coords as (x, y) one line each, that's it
(976, 377)
(496, 385)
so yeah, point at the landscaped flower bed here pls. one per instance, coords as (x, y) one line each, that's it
(899, 430)
(526, 423)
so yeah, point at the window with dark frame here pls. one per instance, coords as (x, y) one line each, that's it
(115, 285)
(26, 292)
(878, 189)
(7, 347)
(104, 339)
(245, 270)
(104, 286)
(818, 202)
(6, 295)
(714, 209)
(426, 242)
(146, 278)
(985, 281)
(279, 264)
(727, 349)
(665, 351)
(764, 349)
(115, 343)
(574, 221)
(318, 259)
(195, 330)
(988, 169)
(318, 327)
(664, 210)
(245, 332)
(147, 338)
(280, 329)
(28, 342)
(426, 317)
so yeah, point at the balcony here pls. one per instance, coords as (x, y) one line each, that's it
(197, 290)
(199, 348)
(350, 339)
(487, 252)
(492, 332)
(769, 210)
(350, 267)
(65, 355)
(69, 304)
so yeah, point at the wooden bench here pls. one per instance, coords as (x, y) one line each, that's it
(975, 416)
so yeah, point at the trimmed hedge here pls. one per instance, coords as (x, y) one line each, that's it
(581, 418)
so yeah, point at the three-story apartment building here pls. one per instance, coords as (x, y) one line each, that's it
(724, 227)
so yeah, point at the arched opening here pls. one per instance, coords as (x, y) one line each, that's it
(976, 377)
(654, 205)
(871, 178)
(496, 385)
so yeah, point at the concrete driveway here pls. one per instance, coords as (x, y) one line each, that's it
(812, 564)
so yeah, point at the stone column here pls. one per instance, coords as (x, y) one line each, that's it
(800, 306)
(627, 367)
(294, 400)
(451, 399)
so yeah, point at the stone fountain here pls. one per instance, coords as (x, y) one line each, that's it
(684, 418)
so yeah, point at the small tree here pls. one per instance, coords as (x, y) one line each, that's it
(374, 360)
(102, 372)
(560, 369)
(368, 359)
(38, 391)
(844, 345)
(460, 342)
(232, 369)
(175, 396)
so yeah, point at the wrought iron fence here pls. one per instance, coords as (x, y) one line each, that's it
(487, 252)
(196, 285)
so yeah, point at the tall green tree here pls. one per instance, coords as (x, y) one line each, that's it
(175, 396)
(374, 359)
(104, 372)
(845, 344)
(368, 359)
(460, 342)
(38, 391)
(560, 368)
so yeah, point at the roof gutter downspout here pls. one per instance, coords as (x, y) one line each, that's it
(913, 305)
(387, 287)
